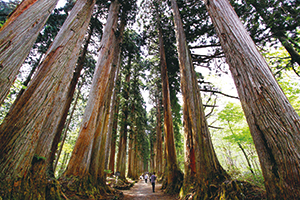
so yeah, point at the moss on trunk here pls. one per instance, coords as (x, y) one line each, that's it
(31, 188)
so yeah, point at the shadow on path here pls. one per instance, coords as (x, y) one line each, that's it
(143, 191)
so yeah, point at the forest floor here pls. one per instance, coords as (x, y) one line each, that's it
(143, 191)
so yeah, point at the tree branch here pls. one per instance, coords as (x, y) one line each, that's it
(214, 91)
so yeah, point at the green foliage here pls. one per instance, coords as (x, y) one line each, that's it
(38, 158)
(233, 118)
(290, 85)
(107, 171)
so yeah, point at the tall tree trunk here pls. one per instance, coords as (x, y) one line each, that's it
(173, 173)
(74, 81)
(116, 62)
(114, 127)
(17, 36)
(273, 122)
(80, 162)
(159, 142)
(135, 153)
(121, 159)
(190, 160)
(69, 97)
(25, 132)
(97, 165)
(131, 143)
(208, 169)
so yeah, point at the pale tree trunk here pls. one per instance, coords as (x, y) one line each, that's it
(25, 132)
(86, 166)
(116, 62)
(273, 122)
(17, 36)
(208, 169)
(121, 159)
(97, 165)
(68, 100)
(81, 156)
(131, 144)
(190, 160)
(74, 81)
(159, 142)
(173, 173)
(98, 151)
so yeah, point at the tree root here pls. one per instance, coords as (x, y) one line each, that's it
(229, 189)
(175, 186)
(85, 188)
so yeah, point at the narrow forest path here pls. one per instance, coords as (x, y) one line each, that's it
(143, 191)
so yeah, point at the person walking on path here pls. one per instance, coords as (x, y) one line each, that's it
(152, 179)
(146, 178)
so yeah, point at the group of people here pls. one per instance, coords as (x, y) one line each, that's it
(152, 179)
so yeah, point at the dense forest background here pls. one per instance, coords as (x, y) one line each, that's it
(273, 25)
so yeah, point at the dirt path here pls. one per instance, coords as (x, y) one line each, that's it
(143, 191)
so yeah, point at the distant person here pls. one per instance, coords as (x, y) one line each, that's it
(146, 178)
(152, 179)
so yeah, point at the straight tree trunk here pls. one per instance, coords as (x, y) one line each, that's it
(114, 127)
(116, 62)
(208, 169)
(135, 161)
(173, 173)
(69, 98)
(86, 166)
(26, 134)
(273, 123)
(79, 163)
(73, 84)
(17, 36)
(97, 165)
(121, 159)
(159, 142)
(190, 160)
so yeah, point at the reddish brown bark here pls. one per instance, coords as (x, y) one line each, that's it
(159, 142)
(273, 122)
(112, 126)
(114, 132)
(190, 159)
(81, 156)
(121, 159)
(17, 36)
(173, 173)
(30, 128)
(208, 168)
